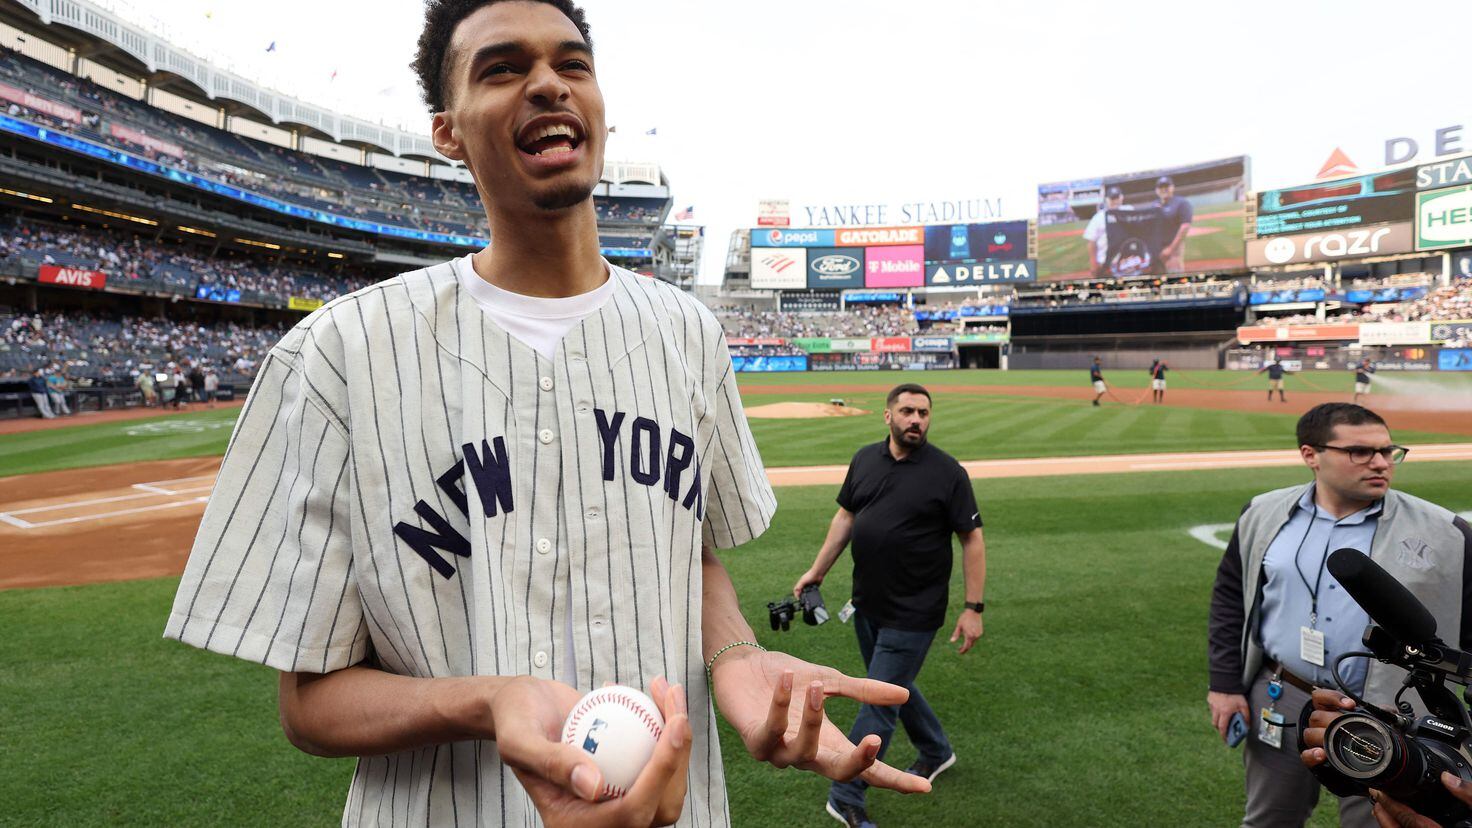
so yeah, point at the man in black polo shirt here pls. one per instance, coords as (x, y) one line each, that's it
(899, 504)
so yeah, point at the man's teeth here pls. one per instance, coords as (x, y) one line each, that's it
(554, 129)
(555, 151)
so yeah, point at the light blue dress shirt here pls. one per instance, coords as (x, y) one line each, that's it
(1295, 561)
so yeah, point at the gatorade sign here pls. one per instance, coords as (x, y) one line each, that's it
(1444, 218)
(73, 276)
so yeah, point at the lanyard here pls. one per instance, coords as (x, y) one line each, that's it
(1313, 590)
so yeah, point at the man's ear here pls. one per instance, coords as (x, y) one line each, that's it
(1310, 457)
(446, 139)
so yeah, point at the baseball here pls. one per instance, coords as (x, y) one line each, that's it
(617, 726)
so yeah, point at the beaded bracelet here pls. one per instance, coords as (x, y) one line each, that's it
(712, 663)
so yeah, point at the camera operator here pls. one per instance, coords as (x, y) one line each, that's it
(1279, 619)
(1328, 705)
(899, 504)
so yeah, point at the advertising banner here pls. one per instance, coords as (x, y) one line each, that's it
(133, 136)
(1454, 333)
(876, 236)
(813, 345)
(217, 293)
(1326, 247)
(988, 338)
(889, 344)
(773, 213)
(835, 268)
(299, 303)
(1444, 218)
(1297, 333)
(1198, 207)
(791, 238)
(961, 274)
(73, 276)
(809, 300)
(849, 345)
(1338, 204)
(769, 364)
(992, 242)
(1395, 333)
(930, 343)
(39, 104)
(1454, 359)
(902, 266)
(779, 268)
(1444, 174)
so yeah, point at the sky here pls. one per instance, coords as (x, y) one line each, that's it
(863, 101)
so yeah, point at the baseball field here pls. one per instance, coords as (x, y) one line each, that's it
(1082, 705)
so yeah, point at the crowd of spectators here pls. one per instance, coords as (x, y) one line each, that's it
(174, 266)
(857, 321)
(115, 350)
(1115, 291)
(1450, 303)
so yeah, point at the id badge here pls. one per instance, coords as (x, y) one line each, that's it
(1270, 728)
(847, 612)
(1311, 646)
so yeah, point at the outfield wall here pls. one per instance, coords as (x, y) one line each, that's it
(1195, 358)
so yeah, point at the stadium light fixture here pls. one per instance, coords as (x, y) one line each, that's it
(334, 255)
(113, 214)
(196, 231)
(254, 243)
(31, 196)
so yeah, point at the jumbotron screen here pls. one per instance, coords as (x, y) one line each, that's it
(1177, 220)
(1336, 205)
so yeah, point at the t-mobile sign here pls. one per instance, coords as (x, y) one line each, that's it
(898, 266)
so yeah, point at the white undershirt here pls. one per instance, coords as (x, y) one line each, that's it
(539, 323)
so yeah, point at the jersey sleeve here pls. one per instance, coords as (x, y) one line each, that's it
(965, 516)
(270, 576)
(846, 491)
(739, 501)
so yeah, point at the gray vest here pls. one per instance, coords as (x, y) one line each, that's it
(1415, 541)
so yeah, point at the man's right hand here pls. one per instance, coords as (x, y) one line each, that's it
(809, 577)
(563, 781)
(1223, 705)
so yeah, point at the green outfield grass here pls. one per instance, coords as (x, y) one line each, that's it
(1060, 256)
(1083, 705)
(970, 426)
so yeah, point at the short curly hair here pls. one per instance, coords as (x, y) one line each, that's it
(432, 60)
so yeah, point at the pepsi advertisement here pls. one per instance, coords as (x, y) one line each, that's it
(835, 268)
(997, 241)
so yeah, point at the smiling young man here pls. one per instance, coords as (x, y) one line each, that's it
(460, 499)
(1279, 619)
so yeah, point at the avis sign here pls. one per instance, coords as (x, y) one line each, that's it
(73, 276)
(1379, 240)
(1444, 218)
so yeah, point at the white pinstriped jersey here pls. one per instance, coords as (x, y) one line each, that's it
(411, 487)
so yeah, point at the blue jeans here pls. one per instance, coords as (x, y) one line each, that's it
(893, 656)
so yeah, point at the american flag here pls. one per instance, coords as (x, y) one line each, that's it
(685, 214)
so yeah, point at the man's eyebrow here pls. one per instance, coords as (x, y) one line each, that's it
(497, 50)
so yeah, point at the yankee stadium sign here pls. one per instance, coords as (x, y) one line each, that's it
(960, 211)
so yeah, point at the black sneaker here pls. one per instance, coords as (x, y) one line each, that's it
(930, 770)
(851, 815)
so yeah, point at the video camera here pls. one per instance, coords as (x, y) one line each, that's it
(810, 601)
(1394, 751)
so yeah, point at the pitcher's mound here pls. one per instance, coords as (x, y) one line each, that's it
(802, 411)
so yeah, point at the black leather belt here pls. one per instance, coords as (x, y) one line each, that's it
(1277, 669)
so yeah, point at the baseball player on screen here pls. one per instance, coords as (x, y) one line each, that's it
(461, 498)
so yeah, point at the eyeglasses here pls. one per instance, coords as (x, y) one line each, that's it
(1360, 455)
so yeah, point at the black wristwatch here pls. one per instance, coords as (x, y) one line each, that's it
(978, 606)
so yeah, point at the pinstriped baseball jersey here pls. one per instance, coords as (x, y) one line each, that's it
(411, 487)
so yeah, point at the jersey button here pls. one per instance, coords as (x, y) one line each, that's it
(546, 383)
(540, 659)
(544, 546)
(545, 435)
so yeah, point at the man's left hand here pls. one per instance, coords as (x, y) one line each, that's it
(968, 630)
(755, 692)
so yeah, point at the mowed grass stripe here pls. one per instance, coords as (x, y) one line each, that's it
(1093, 658)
